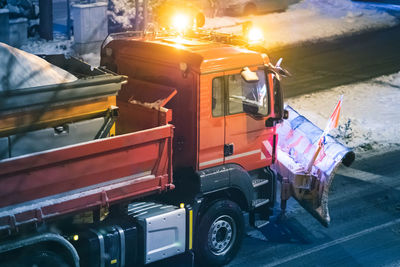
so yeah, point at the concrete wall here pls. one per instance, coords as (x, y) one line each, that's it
(18, 32)
(90, 22)
(13, 31)
(4, 26)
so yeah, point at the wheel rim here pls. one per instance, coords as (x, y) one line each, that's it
(222, 235)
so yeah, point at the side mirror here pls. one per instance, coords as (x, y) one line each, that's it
(277, 70)
(273, 121)
(278, 99)
(285, 114)
(279, 111)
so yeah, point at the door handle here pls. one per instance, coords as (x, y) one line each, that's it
(228, 150)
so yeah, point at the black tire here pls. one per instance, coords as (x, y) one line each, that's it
(220, 234)
(42, 257)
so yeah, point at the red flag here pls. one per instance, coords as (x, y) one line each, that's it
(333, 121)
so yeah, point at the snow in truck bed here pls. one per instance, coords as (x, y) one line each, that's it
(19, 69)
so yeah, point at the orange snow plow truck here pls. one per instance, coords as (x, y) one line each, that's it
(166, 147)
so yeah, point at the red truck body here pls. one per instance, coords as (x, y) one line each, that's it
(221, 154)
(47, 183)
(71, 179)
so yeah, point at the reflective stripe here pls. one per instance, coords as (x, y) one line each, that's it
(214, 161)
(190, 229)
(243, 154)
(202, 164)
(268, 147)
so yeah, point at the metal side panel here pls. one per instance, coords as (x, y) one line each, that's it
(50, 138)
(164, 227)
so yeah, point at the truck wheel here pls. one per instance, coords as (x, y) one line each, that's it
(44, 257)
(220, 233)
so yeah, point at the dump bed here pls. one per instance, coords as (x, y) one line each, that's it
(66, 178)
(58, 114)
(41, 186)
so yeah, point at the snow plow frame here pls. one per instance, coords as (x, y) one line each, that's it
(298, 140)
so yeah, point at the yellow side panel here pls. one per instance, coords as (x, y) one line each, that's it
(51, 116)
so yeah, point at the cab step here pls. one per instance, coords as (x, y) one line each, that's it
(259, 182)
(259, 202)
(260, 223)
(258, 219)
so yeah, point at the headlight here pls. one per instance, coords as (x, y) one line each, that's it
(181, 22)
(255, 35)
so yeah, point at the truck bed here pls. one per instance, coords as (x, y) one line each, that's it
(43, 185)
(46, 106)
(66, 180)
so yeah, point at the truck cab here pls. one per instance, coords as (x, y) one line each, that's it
(220, 118)
(224, 112)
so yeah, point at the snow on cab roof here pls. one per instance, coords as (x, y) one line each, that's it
(204, 56)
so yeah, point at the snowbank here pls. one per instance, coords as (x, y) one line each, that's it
(311, 20)
(370, 118)
(60, 45)
(19, 69)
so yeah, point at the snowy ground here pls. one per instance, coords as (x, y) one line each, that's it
(370, 117)
(308, 20)
(60, 45)
(311, 20)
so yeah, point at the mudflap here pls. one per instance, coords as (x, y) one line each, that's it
(298, 141)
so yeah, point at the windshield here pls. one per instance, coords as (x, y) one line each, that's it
(248, 97)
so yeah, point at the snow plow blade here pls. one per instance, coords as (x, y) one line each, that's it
(298, 141)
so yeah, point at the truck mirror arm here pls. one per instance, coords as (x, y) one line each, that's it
(270, 122)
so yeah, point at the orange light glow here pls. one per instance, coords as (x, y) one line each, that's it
(180, 22)
(255, 35)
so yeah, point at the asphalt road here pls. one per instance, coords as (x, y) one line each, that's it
(365, 224)
(349, 59)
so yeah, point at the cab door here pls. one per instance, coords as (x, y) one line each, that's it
(212, 120)
(247, 108)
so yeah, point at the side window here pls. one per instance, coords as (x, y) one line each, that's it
(235, 94)
(247, 97)
(218, 97)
